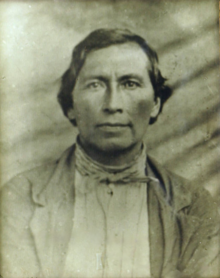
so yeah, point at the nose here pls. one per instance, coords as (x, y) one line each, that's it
(113, 102)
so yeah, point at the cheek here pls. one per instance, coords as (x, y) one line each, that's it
(85, 112)
(144, 108)
(86, 102)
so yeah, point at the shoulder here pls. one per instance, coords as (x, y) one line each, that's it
(27, 185)
(197, 219)
(23, 182)
(16, 195)
(184, 194)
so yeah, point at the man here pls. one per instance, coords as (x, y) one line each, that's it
(105, 208)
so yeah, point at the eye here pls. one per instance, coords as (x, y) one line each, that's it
(131, 85)
(94, 85)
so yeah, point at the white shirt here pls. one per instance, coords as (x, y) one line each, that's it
(110, 231)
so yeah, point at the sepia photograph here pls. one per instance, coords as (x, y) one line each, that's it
(109, 139)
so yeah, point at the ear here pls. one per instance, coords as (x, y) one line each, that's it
(71, 114)
(156, 108)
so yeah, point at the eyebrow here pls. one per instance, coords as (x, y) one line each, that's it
(99, 77)
(122, 78)
(131, 76)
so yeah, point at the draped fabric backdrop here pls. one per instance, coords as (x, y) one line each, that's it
(37, 38)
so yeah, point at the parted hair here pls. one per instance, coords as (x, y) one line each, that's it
(102, 38)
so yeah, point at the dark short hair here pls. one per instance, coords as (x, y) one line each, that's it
(102, 38)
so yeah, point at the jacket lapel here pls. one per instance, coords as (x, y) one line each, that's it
(52, 221)
(166, 200)
(155, 233)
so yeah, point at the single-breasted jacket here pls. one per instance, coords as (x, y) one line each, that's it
(37, 216)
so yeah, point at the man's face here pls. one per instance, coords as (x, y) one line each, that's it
(113, 98)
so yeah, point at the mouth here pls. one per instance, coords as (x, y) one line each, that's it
(113, 127)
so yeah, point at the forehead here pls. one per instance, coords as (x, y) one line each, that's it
(119, 58)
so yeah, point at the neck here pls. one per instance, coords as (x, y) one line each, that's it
(112, 158)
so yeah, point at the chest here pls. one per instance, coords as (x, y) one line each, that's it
(110, 233)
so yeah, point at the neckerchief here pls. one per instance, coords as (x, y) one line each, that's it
(128, 173)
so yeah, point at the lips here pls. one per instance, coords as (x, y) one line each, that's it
(113, 127)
